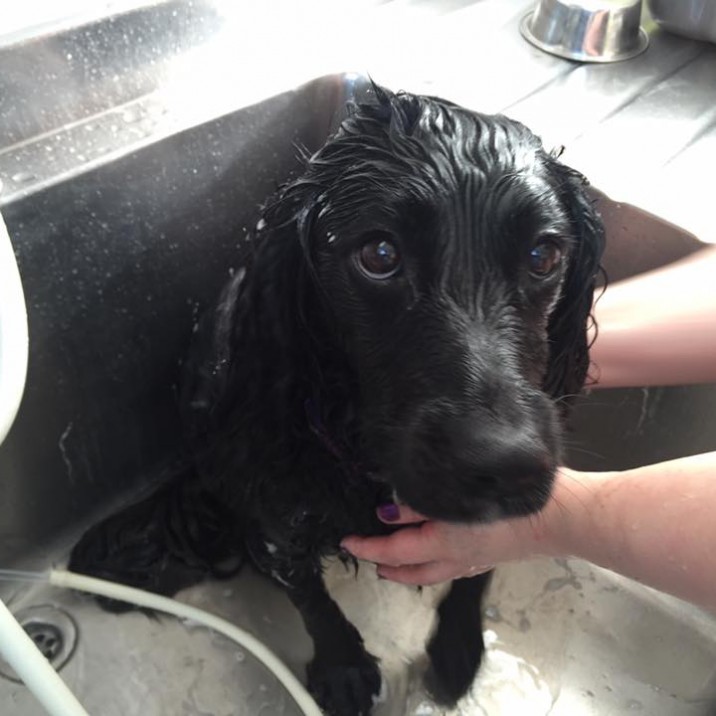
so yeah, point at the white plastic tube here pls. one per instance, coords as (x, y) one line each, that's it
(70, 580)
(36, 672)
(13, 335)
(16, 647)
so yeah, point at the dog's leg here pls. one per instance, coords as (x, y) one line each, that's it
(457, 646)
(342, 676)
(158, 544)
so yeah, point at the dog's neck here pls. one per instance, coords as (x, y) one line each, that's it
(338, 448)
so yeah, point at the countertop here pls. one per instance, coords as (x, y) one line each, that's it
(643, 130)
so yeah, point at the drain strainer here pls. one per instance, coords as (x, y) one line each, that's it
(54, 632)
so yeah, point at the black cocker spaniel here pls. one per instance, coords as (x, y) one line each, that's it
(411, 324)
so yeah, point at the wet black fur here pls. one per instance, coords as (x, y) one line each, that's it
(317, 392)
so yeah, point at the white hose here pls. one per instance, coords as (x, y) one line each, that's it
(32, 667)
(16, 647)
(70, 580)
(13, 335)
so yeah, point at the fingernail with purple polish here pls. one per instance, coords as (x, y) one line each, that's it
(389, 512)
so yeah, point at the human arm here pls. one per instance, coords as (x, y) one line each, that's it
(654, 524)
(659, 328)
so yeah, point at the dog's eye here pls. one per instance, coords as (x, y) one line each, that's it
(379, 258)
(545, 257)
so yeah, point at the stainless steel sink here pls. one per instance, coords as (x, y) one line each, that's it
(125, 240)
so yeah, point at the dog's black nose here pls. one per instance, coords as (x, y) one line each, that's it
(511, 455)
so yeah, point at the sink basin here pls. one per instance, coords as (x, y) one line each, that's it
(119, 255)
(139, 664)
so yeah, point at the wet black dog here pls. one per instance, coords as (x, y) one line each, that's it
(412, 322)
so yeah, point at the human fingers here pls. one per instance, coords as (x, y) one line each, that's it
(409, 545)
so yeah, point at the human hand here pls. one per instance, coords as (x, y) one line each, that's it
(429, 552)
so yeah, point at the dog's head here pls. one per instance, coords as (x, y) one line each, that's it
(456, 261)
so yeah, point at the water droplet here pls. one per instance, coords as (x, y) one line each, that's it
(490, 637)
(132, 114)
(23, 177)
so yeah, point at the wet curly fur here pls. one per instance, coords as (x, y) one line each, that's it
(318, 390)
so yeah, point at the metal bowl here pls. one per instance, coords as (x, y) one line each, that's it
(586, 30)
(691, 18)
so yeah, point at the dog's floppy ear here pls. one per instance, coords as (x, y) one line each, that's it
(567, 330)
(279, 294)
(250, 357)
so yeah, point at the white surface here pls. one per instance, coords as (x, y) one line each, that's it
(13, 335)
(33, 17)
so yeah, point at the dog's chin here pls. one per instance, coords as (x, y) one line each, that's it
(479, 512)
(476, 510)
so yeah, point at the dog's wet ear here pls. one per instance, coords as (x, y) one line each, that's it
(382, 95)
(401, 112)
(568, 343)
(263, 312)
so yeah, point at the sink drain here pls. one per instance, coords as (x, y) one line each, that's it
(54, 632)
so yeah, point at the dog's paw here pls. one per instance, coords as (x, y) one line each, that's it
(454, 662)
(345, 688)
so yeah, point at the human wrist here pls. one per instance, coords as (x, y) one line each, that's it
(572, 518)
(545, 534)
